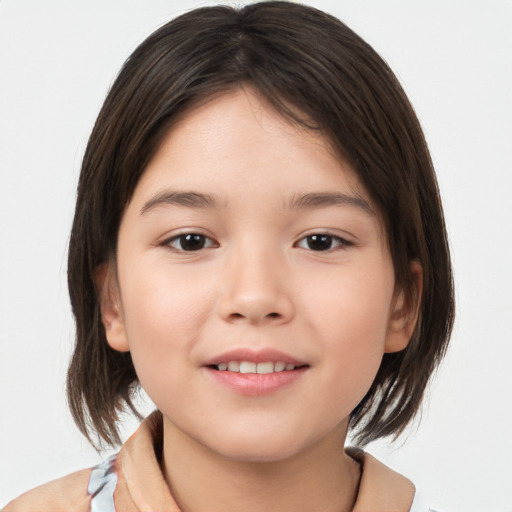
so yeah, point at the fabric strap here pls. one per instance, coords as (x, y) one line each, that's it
(102, 484)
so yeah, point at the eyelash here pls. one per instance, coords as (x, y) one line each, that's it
(342, 243)
(181, 238)
(205, 242)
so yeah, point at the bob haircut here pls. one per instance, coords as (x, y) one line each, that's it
(316, 72)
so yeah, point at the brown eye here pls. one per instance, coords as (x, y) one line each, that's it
(190, 242)
(322, 242)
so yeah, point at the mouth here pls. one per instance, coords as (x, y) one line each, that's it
(263, 368)
(252, 372)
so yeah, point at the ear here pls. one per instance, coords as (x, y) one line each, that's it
(110, 306)
(404, 313)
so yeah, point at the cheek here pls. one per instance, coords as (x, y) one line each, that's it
(354, 317)
(163, 315)
(350, 371)
(158, 297)
(356, 304)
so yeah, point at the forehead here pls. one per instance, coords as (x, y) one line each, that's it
(237, 139)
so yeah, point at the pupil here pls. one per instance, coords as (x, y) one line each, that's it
(192, 242)
(319, 242)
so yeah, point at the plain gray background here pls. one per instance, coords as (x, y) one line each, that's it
(454, 58)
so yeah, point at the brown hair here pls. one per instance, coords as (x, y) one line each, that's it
(315, 71)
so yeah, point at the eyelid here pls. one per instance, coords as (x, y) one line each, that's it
(167, 242)
(343, 242)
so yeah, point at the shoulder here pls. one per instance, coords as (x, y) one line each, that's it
(382, 488)
(67, 494)
(103, 487)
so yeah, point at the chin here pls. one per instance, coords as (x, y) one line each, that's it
(258, 448)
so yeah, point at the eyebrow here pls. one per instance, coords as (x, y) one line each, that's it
(180, 198)
(320, 199)
(310, 200)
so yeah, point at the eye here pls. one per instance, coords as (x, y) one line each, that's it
(189, 242)
(322, 242)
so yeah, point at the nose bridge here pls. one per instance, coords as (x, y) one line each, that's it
(254, 284)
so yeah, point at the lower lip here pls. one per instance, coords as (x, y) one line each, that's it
(256, 384)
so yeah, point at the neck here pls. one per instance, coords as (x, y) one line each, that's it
(322, 478)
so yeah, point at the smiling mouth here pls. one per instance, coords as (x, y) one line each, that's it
(248, 367)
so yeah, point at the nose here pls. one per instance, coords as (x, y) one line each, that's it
(256, 289)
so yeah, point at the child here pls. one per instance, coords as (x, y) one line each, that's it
(259, 242)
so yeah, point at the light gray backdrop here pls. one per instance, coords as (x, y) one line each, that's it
(57, 60)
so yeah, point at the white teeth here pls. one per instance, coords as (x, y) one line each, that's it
(233, 366)
(279, 366)
(247, 367)
(251, 367)
(265, 368)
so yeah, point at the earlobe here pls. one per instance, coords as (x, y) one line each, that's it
(111, 310)
(405, 313)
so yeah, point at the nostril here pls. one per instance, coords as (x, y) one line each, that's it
(237, 316)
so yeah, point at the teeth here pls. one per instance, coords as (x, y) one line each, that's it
(233, 366)
(247, 367)
(265, 368)
(251, 367)
(279, 366)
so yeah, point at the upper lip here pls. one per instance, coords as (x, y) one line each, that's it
(256, 356)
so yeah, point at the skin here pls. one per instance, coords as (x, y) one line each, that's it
(257, 283)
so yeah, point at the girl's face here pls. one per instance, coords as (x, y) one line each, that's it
(248, 246)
